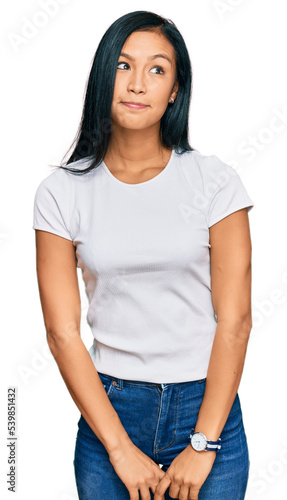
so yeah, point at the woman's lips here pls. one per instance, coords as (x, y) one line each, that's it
(134, 105)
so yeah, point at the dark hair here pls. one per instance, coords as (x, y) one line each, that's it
(92, 138)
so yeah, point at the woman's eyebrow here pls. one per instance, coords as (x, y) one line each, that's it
(164, 56)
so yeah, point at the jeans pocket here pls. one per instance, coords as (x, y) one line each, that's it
(108, 384)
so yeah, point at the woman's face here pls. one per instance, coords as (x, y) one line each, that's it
(145, 74)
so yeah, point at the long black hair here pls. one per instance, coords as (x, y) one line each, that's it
(92, 138)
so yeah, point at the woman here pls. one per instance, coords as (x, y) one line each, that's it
(161, 234)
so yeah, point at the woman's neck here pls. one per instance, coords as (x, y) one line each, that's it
(134, 152)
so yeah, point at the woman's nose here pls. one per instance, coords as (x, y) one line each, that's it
(137, 82)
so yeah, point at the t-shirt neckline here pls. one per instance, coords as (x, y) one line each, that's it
(149, 181)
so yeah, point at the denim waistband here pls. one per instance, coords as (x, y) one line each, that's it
(120, 382)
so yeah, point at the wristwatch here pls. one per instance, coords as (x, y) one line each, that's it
(199, 442)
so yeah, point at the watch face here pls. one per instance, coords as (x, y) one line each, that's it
(198, 441)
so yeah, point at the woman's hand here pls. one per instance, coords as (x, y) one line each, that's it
(186, 474)
(137, 471)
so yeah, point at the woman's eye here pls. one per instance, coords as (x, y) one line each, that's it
(159, 68)
(121, 64)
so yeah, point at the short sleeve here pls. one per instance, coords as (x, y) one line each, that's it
(52, 205)
(225, 190)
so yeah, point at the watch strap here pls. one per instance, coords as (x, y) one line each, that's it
(213, 445)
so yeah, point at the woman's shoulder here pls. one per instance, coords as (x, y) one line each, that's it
(61, 176)
(205, 165)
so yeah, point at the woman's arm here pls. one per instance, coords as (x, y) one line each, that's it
(230, 257)
(61, 305)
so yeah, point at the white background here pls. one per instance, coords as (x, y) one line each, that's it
(238, 112)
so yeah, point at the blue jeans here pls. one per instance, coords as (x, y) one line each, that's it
(158, 419)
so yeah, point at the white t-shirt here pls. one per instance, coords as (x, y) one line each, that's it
(144, 254)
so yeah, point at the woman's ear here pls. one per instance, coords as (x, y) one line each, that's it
(174, 90)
